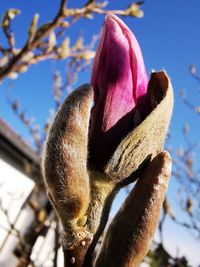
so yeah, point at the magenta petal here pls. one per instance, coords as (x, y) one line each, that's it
(119, 81)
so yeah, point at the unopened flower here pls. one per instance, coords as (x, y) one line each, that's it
(119, 81)
(122, 128)
(92, 152)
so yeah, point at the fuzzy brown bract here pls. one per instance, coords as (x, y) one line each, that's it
(82, 194)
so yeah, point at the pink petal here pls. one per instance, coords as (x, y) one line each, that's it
(119, 80)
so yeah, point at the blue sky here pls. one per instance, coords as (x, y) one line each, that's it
(169, 36)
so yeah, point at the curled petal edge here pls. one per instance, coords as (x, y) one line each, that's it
(147, 139)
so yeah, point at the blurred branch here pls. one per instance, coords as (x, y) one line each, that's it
(190, 105)
(193, 72)
(34, 214)
(185, 171)
(57, 244)
(31, 44)
(160, 257)
(15, 61)
(11, 230)
(29, 122)
(186, 101)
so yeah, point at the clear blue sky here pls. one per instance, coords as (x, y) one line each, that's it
(169, 35)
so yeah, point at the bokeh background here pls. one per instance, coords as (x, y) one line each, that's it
(169, 37)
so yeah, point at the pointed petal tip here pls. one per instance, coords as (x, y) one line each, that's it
(112, 18)
(112, 25)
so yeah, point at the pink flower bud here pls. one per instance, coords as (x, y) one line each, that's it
(119, 82)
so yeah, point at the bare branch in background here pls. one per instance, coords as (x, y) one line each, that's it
(49, 41)
(41, 42)
(194, 107)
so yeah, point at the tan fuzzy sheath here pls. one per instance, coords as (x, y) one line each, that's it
(129, 235)
(147, 139)
(65, 159)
